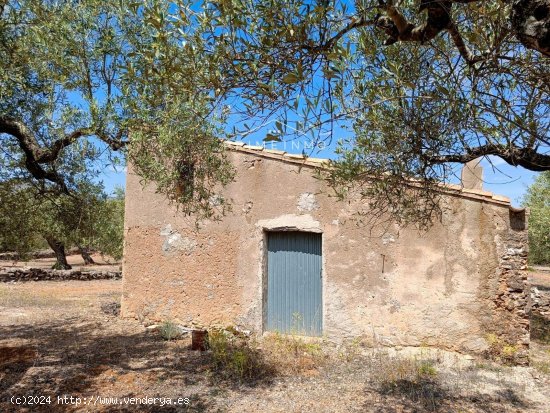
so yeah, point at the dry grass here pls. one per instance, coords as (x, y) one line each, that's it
(540, 357)
(414, 378)
(424, 383)
(72, 342)
(168, 330)
(294, 354)
(236, 358)
(500, 350)
(246, 360)
(20, 299)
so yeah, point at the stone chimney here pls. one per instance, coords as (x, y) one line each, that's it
(472, 175)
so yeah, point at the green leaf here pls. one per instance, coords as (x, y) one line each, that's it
(272, 138)
(291, 78)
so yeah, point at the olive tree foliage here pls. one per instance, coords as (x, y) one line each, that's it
(538, 201)
(101, 74)
(17, 218)
(87, 219)
(419, 85)
(33, 213)
(106, 232)
(422, 86)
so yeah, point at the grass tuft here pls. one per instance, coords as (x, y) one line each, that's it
(169, 331)
(500, 350)
(236, 358)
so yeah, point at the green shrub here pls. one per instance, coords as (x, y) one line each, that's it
(169, 331)
(500, 350)
(538, 200)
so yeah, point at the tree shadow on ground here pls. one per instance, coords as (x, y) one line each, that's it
(540, 328)
(430, 396)
(72, 357)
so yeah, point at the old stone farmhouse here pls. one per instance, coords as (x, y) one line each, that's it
(290, 258)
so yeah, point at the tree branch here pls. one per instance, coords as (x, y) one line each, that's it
(398, 28)
(513, 155)
(462, 47)
(531, 24)
(36, 155)
(354, 23)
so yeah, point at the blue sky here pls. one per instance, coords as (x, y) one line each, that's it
(499, 177)
(504, 179)
(113, 177)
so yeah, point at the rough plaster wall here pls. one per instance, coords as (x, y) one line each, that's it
(170, 270)
(430, 292)
(394, 287)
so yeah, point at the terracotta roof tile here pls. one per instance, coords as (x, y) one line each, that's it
(234, 143)
(501, 198)
(275, 151)
(253, 147)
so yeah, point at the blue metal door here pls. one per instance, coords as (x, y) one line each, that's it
(294, 287)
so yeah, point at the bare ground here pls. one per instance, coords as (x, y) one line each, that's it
(102, 263)
(64, 338)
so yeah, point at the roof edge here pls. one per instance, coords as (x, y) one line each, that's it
(301, 160)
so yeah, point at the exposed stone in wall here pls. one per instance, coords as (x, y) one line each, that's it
(174, 242)
(290, 222)
(41, 274)
(540, 302)
(248, 206)
(511, 305)
(307, 202)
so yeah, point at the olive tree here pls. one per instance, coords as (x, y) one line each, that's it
(538, 201)
(87, 73)
(419, 86)
(86, 219)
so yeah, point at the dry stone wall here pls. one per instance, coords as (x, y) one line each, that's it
(512, 302)
(41, 274)
(540, 302)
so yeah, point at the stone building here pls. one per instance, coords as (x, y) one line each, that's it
(291, 258)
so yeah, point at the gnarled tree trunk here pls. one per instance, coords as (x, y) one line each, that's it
(85, 253)
(59, 249)
(530, 20)
(531, 24)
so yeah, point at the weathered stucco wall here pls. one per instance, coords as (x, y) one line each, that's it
(458, 286)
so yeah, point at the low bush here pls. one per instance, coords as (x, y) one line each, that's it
(237, 358)
(293, 354)
(169, 331)
(500, 350)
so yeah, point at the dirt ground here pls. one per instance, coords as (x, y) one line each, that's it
(540, 277)
(102, 263)
(65, 339)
